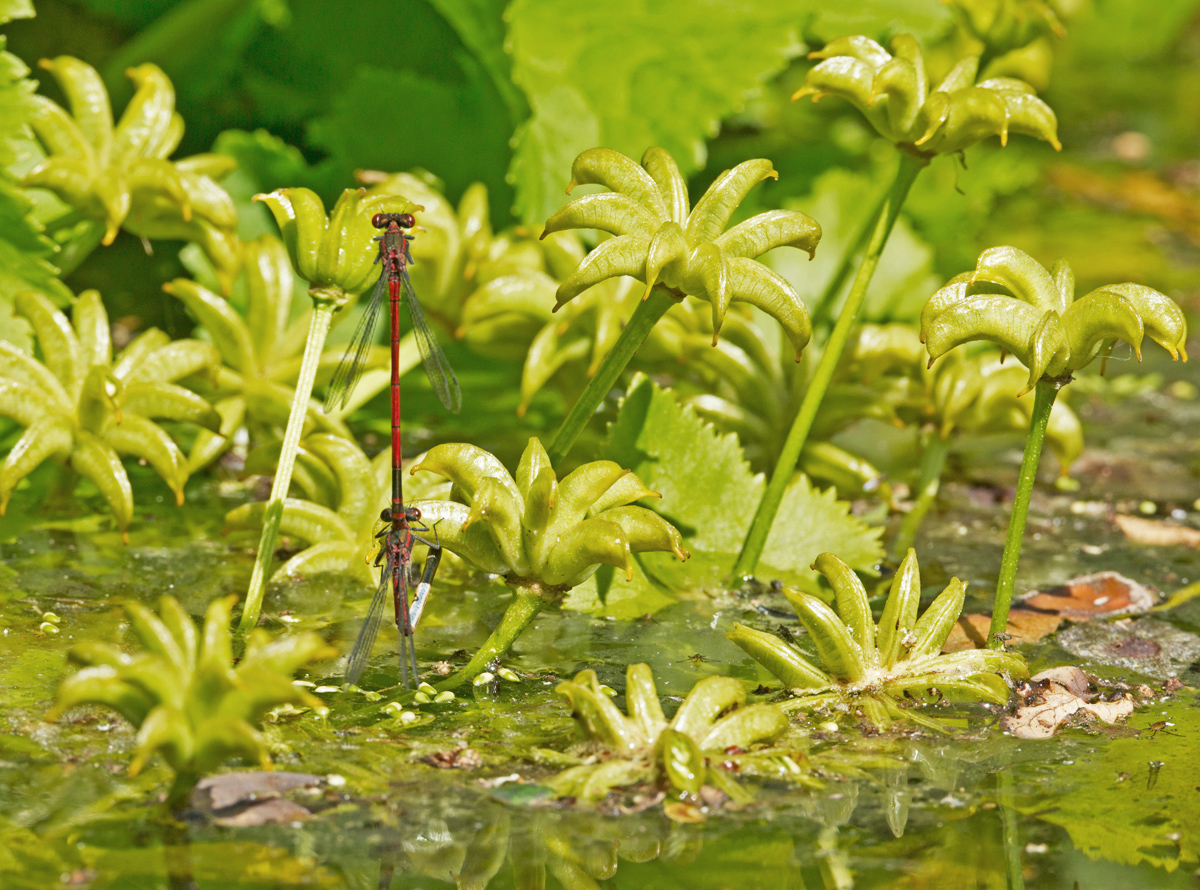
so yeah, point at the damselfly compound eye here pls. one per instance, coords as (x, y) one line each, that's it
(380, 220)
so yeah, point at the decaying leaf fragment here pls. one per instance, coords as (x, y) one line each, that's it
(1055, 696)
(1155, 533)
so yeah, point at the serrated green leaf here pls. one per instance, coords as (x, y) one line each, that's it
(709, 494)
(684, 66)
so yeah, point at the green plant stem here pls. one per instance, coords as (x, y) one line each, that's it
(177, 853)
(520, 612)
(824, 306)
(756, 538)
(180, 794)
(643, 320)
(933, 464)
(318, 330)
(1012, 837)
(1043, 401)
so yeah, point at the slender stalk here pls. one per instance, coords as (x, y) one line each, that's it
(1043, 400)
(756, 538)
(318, 330)
(521, 611)
(177, 853)
(824, 305)
(1012, 836)
(933, 464)
(643, 320)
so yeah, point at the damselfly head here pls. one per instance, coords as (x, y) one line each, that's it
(383, 220)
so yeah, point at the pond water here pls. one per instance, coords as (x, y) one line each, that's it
(456, 796)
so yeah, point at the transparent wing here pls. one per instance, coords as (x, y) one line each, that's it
(350, 368)
(370, 629)
(437, 368)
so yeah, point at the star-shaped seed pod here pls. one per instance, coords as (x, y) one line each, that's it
(660, 241)
(120, 175)
(882, 671)
(334, 253)
(541, 534)
(261, 349)
(1032, 312)
(892, 90)
(458, 253)
(183, 693)
(84, 407)
(682, 754)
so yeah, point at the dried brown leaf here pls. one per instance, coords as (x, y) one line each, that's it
(1055, 696)
(1157, 534)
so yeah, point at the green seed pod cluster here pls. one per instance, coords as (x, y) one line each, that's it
(335, 254)
(892, 91)
(458, 256)
(339, 503)
(879, 669)
(978, 393)
(84, 406)
(659, 240)
(971, 392)
(120, 176)
(538, 532)
(1032, 312)
(260, 351)
(183, 693)
(682, 754)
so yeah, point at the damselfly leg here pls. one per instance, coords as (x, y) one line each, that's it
(394, 558)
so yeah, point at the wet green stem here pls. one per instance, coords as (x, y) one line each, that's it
(180, 794)
(933, 464)
(756, 538)
(1043, 401)
(1012, 836)
(521, 611)
(643, 320)
(318, 330)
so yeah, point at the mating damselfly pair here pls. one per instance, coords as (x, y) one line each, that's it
(404, 528)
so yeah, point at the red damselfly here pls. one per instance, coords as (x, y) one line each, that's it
(396, 554)
(394, 558)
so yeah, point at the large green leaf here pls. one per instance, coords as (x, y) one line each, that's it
(480, 26)
(709, 493)
(628, 75)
